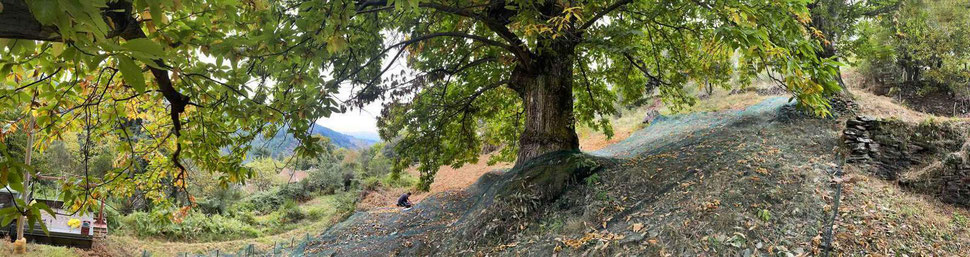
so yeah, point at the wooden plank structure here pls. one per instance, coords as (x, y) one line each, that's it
(60, 233)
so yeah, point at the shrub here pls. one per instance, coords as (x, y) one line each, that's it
(260, 202)
(112, 217)
(371, 183)
(195, 226)
(291, 212)
(267, 201)
(220, 201)
(327, 179)
(921, 43)
(346, 203)
(299, 191)
(316, 213)
(403, 180)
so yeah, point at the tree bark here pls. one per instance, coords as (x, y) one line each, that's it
(25, 195)
(823, 24)
(546, 93)
(16, 21)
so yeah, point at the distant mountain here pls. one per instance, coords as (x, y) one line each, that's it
(373, 136)
(344, 140)
(282, 144)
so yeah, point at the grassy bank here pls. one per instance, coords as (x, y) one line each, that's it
(325, 210)
(37, 250)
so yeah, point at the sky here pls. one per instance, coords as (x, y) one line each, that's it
(362, 120)
(357, 120)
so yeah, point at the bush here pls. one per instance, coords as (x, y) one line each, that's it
(260, 202)
(291, 212)
(346, 203)
(268, 201)
(112, 217)
(371, 183)
(299, 191)
(195, 226)
(219, 201)
(316, 213)
(403, 180)
(327, 179)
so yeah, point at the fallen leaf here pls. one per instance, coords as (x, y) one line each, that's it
(637, 227)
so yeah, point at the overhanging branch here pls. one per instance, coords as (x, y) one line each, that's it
(604, 12)
(514, 43)
(17, 22)
(406, 43)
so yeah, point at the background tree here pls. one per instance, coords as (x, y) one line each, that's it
(266, 173)
(920, 44)
(833, 22)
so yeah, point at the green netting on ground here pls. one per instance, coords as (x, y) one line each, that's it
(666, 130)
(384, 230)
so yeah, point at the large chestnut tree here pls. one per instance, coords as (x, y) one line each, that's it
(523, 74)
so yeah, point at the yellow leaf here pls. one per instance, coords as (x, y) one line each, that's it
(336, 43)
(637, 227)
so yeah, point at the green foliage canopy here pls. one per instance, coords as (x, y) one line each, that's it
(178, 83)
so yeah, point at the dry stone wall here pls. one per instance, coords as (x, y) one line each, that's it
(929, 157)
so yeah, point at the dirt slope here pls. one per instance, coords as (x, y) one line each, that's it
(757, 181)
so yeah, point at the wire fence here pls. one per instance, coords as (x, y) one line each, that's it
(295, 246)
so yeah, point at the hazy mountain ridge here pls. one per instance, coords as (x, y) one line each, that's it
(282, 144)
(366, 135)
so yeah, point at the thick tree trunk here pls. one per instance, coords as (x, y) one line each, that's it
(822, 22)
(547, 96)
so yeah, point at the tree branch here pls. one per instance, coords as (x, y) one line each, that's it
(515, 44)
(406, 43)
(33, 83)
(602, 13)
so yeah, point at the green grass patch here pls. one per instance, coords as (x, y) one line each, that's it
(36, 250)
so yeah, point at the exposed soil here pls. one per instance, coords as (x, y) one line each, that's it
(937, 100)
(446, 179)
(599, 141)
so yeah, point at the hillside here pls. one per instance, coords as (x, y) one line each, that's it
(282, 144)
(341, 139)
(760, 180)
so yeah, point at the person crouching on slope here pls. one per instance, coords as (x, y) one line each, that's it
(403, 201)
